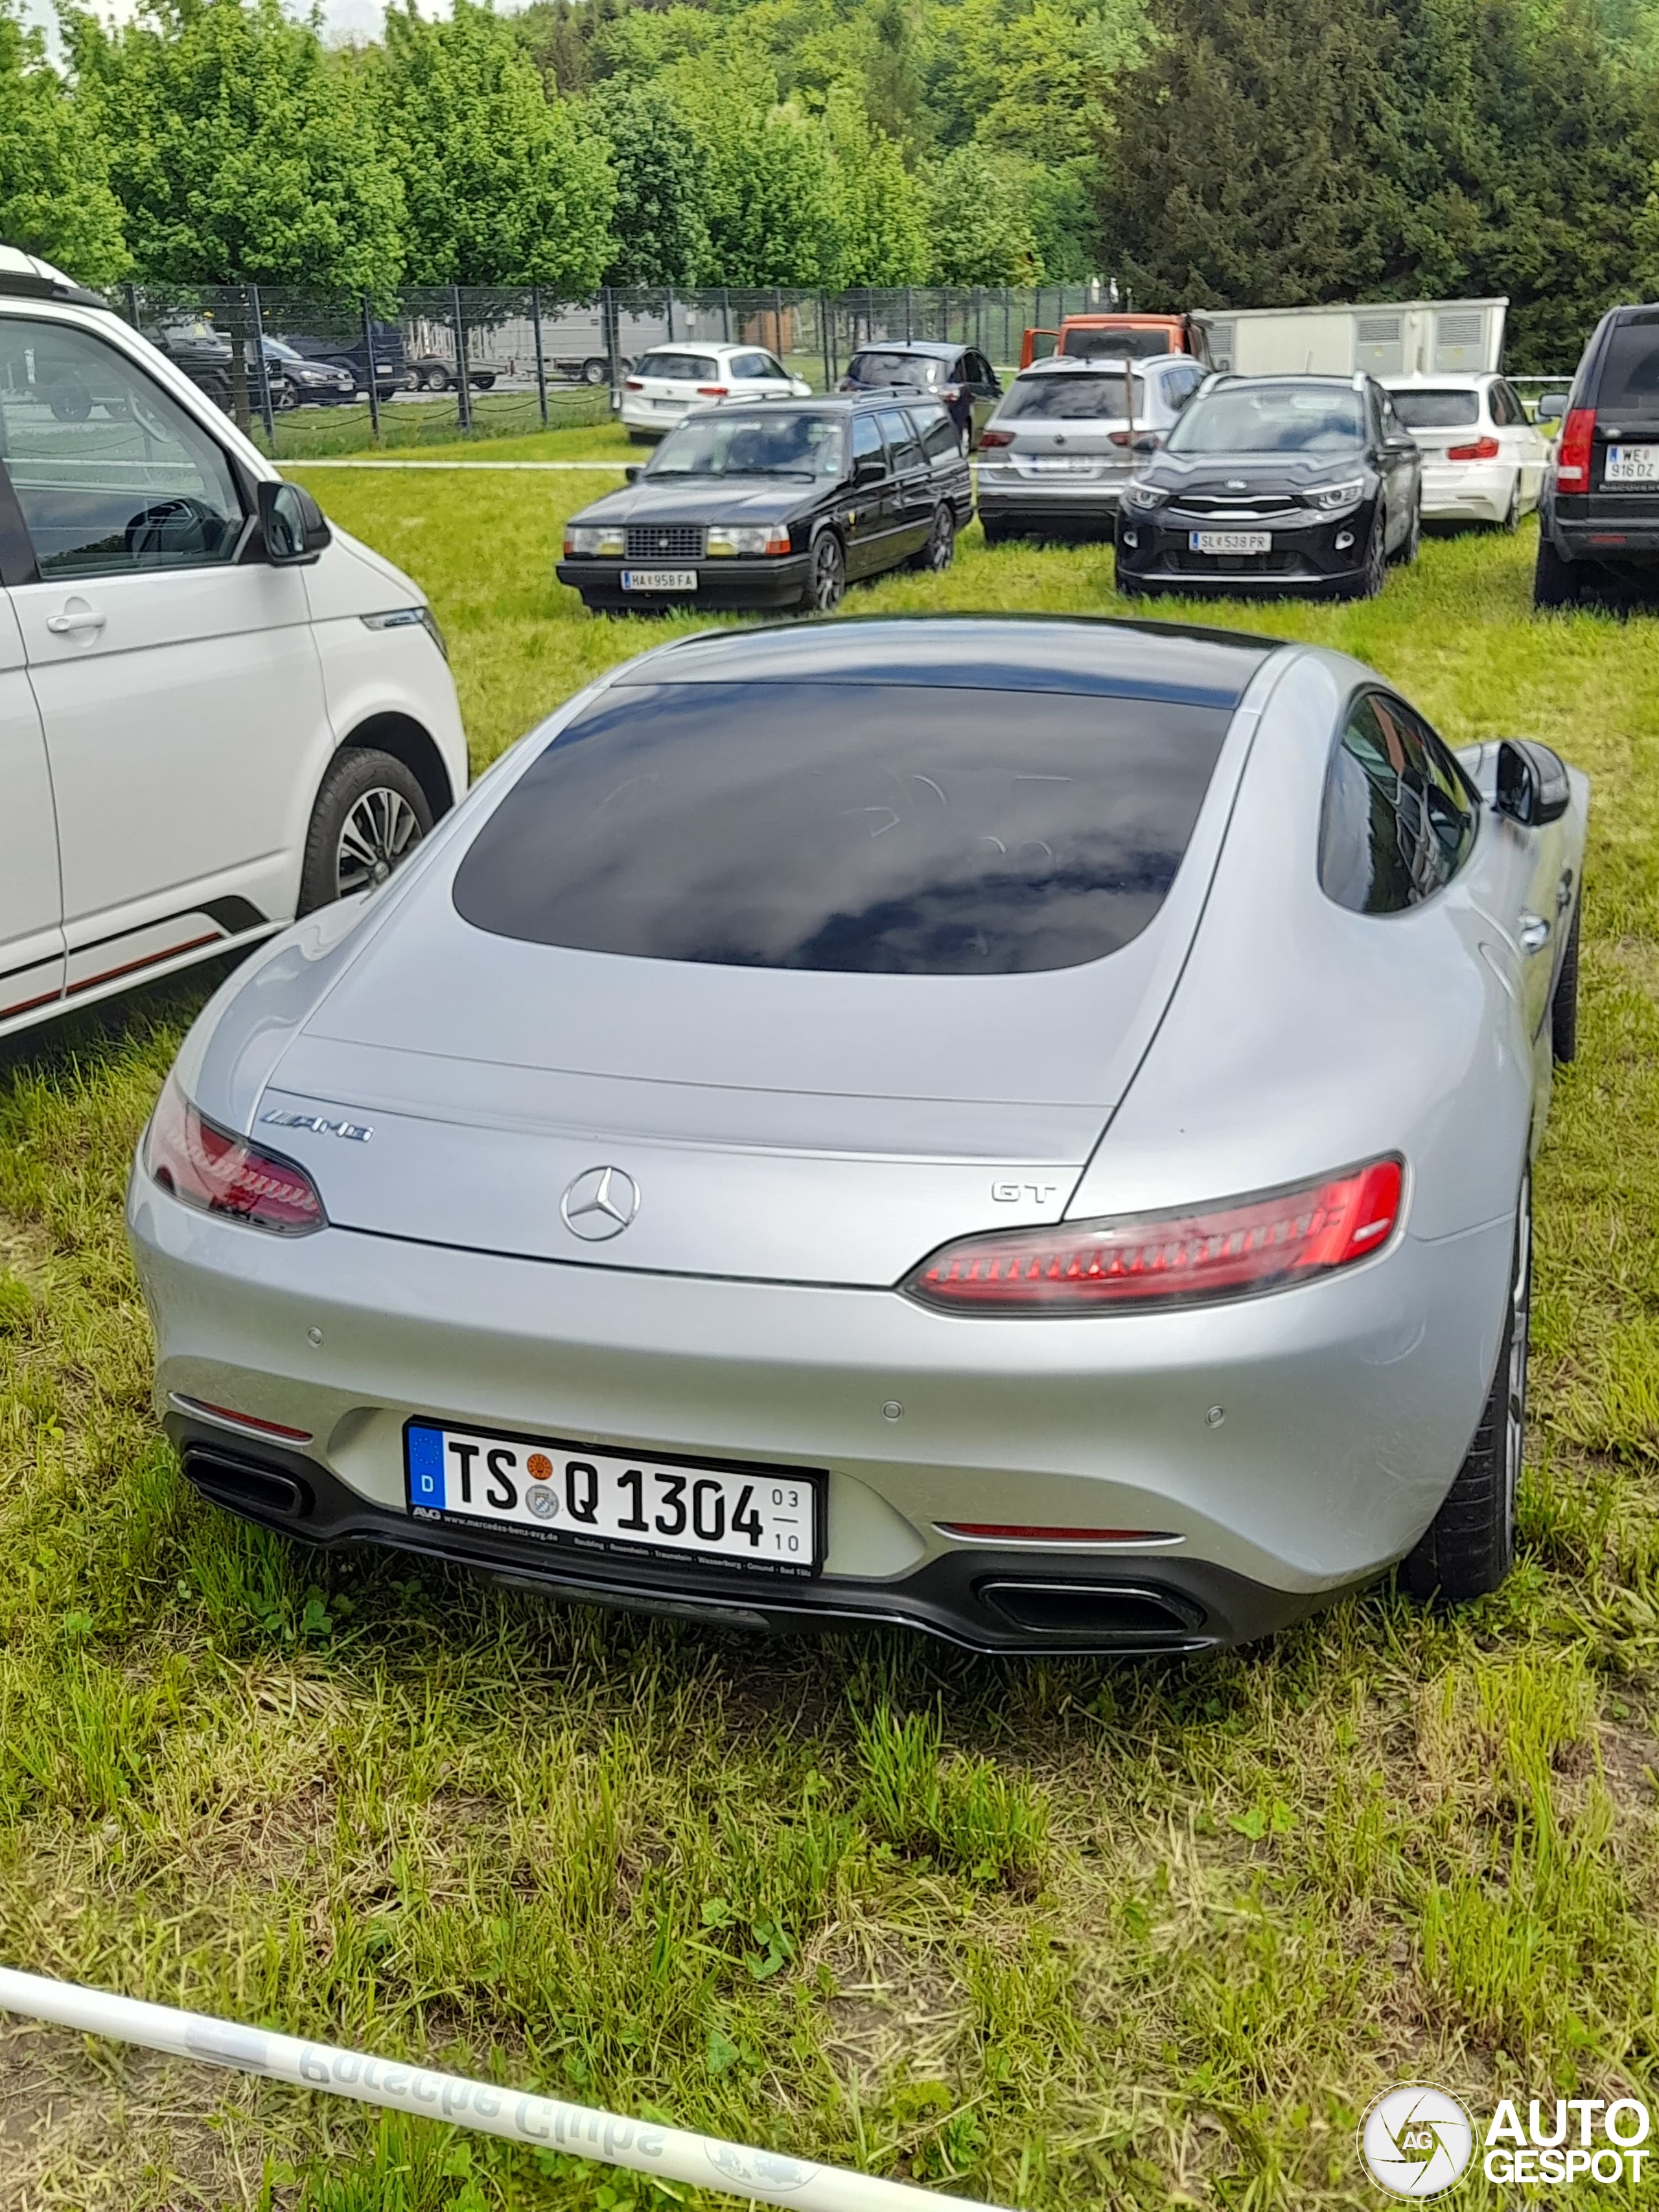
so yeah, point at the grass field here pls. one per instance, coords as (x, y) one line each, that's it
(1056, 1935)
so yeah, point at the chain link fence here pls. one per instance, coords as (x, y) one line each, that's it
(309, 372)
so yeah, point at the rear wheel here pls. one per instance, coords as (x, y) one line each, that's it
(370, 815)
(1555, 582)
(595, 372)
(1469, 1545)
(995, 532)
(826, 577)
(941, 548)
(1375, 574)
(1563, 1006)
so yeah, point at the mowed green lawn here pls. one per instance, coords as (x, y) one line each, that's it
(1056, 1935)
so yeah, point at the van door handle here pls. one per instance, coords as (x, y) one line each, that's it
(84, 618)
(1533, 934)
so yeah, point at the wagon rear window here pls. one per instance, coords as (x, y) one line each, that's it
(873, 828)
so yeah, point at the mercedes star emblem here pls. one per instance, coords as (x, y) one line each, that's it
(600, 1203)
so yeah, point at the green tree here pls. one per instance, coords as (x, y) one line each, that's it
(978, 229)
(501, 185)
(881, 233)
(660, 227)
(237, 147)
(55, 199)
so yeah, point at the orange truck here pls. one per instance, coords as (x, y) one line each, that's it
(1119, 337)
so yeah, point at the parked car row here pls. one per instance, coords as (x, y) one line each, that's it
(764, 494)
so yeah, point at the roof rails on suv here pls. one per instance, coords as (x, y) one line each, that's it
(26, 275)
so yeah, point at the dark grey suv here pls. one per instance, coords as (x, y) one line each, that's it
(1598, 523)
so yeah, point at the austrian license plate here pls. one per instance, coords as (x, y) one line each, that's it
(571, 1497)
(1632, 465)
(1066, 465)
(660, 579)
(1230, 541)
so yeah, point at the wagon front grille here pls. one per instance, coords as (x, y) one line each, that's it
(660, 540)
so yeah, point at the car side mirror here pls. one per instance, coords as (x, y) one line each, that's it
(1532, 786)
(633, 472)
(1145, 441)
(869, 468)
(1551, 408)
(295, 528)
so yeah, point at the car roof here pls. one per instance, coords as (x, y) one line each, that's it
(1294, 376)
(1087, 364)
(934, 349)
(699, 345)
(1167, 661)
(812, 403)
(26, 275)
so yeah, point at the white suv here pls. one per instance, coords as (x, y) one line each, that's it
(215, 713)
(668, 382)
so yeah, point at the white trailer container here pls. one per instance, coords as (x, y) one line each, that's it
(1392, 337)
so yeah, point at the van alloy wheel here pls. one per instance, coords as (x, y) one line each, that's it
(381, 829)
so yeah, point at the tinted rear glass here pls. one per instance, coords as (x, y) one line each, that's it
(685, 368)
(1629, 373)
(1117, 345)
(1437, 411)
(1081, 398)
(918, 372)
(866, 829)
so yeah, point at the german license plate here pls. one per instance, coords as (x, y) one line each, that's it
(660, 579)
(1632, 465)
(1230, 541)
(769, 1520)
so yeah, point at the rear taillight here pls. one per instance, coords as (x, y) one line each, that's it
(950, 392)
(1118, 437)
(633, 384)
(1229, 1251)
(996, 437)
(711, 391)
(205, 1166)
(1483, 449)
(1572, 454)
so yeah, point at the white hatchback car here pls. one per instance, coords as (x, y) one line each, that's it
(670, 380)
(215, 712)
(1482, 459)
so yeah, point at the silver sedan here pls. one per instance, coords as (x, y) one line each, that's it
(1016, 1127)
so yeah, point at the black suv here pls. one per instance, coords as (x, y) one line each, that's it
(1306, 484)
(1599, 522)
(775, 503)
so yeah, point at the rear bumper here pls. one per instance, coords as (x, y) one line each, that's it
(1606, 527)
(1344, 1410)
(1467, 491)
(728, 584)
(1014, 498)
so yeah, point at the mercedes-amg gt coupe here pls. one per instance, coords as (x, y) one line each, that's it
(1020, 1128)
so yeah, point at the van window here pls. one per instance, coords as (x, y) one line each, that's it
(863, 829)
(112, 474)
(1398, 820)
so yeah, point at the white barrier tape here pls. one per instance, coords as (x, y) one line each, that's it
(766, 2177)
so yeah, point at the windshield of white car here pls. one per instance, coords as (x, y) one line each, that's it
(915, 372)
(680, 368)
(728, 444)
(1437, 411)
(1270, 419)
(861, 829)
(1086, 396)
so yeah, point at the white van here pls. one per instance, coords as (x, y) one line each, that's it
(215, 713)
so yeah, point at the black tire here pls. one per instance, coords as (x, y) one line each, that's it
(640, 438)
(1413, 541)
(1555, 582)
(1563, 1006)
(996, 533)
(1468, 1548)
(1128, 587)
(68, 398)
(595, 372)
(370, 814)
(1375, 574)
(826, 577)
(1512, 521)
(939, 549)
(434, 377)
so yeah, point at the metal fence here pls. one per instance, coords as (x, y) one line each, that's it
(306, 371)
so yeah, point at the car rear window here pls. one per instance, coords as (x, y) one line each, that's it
(859, 828)
(683, 367)
(1079, 398)
(918, 371)
(1629, 382)
(1437, 411)
(1117, 345)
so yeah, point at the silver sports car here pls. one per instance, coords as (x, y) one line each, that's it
(1019, 1128)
